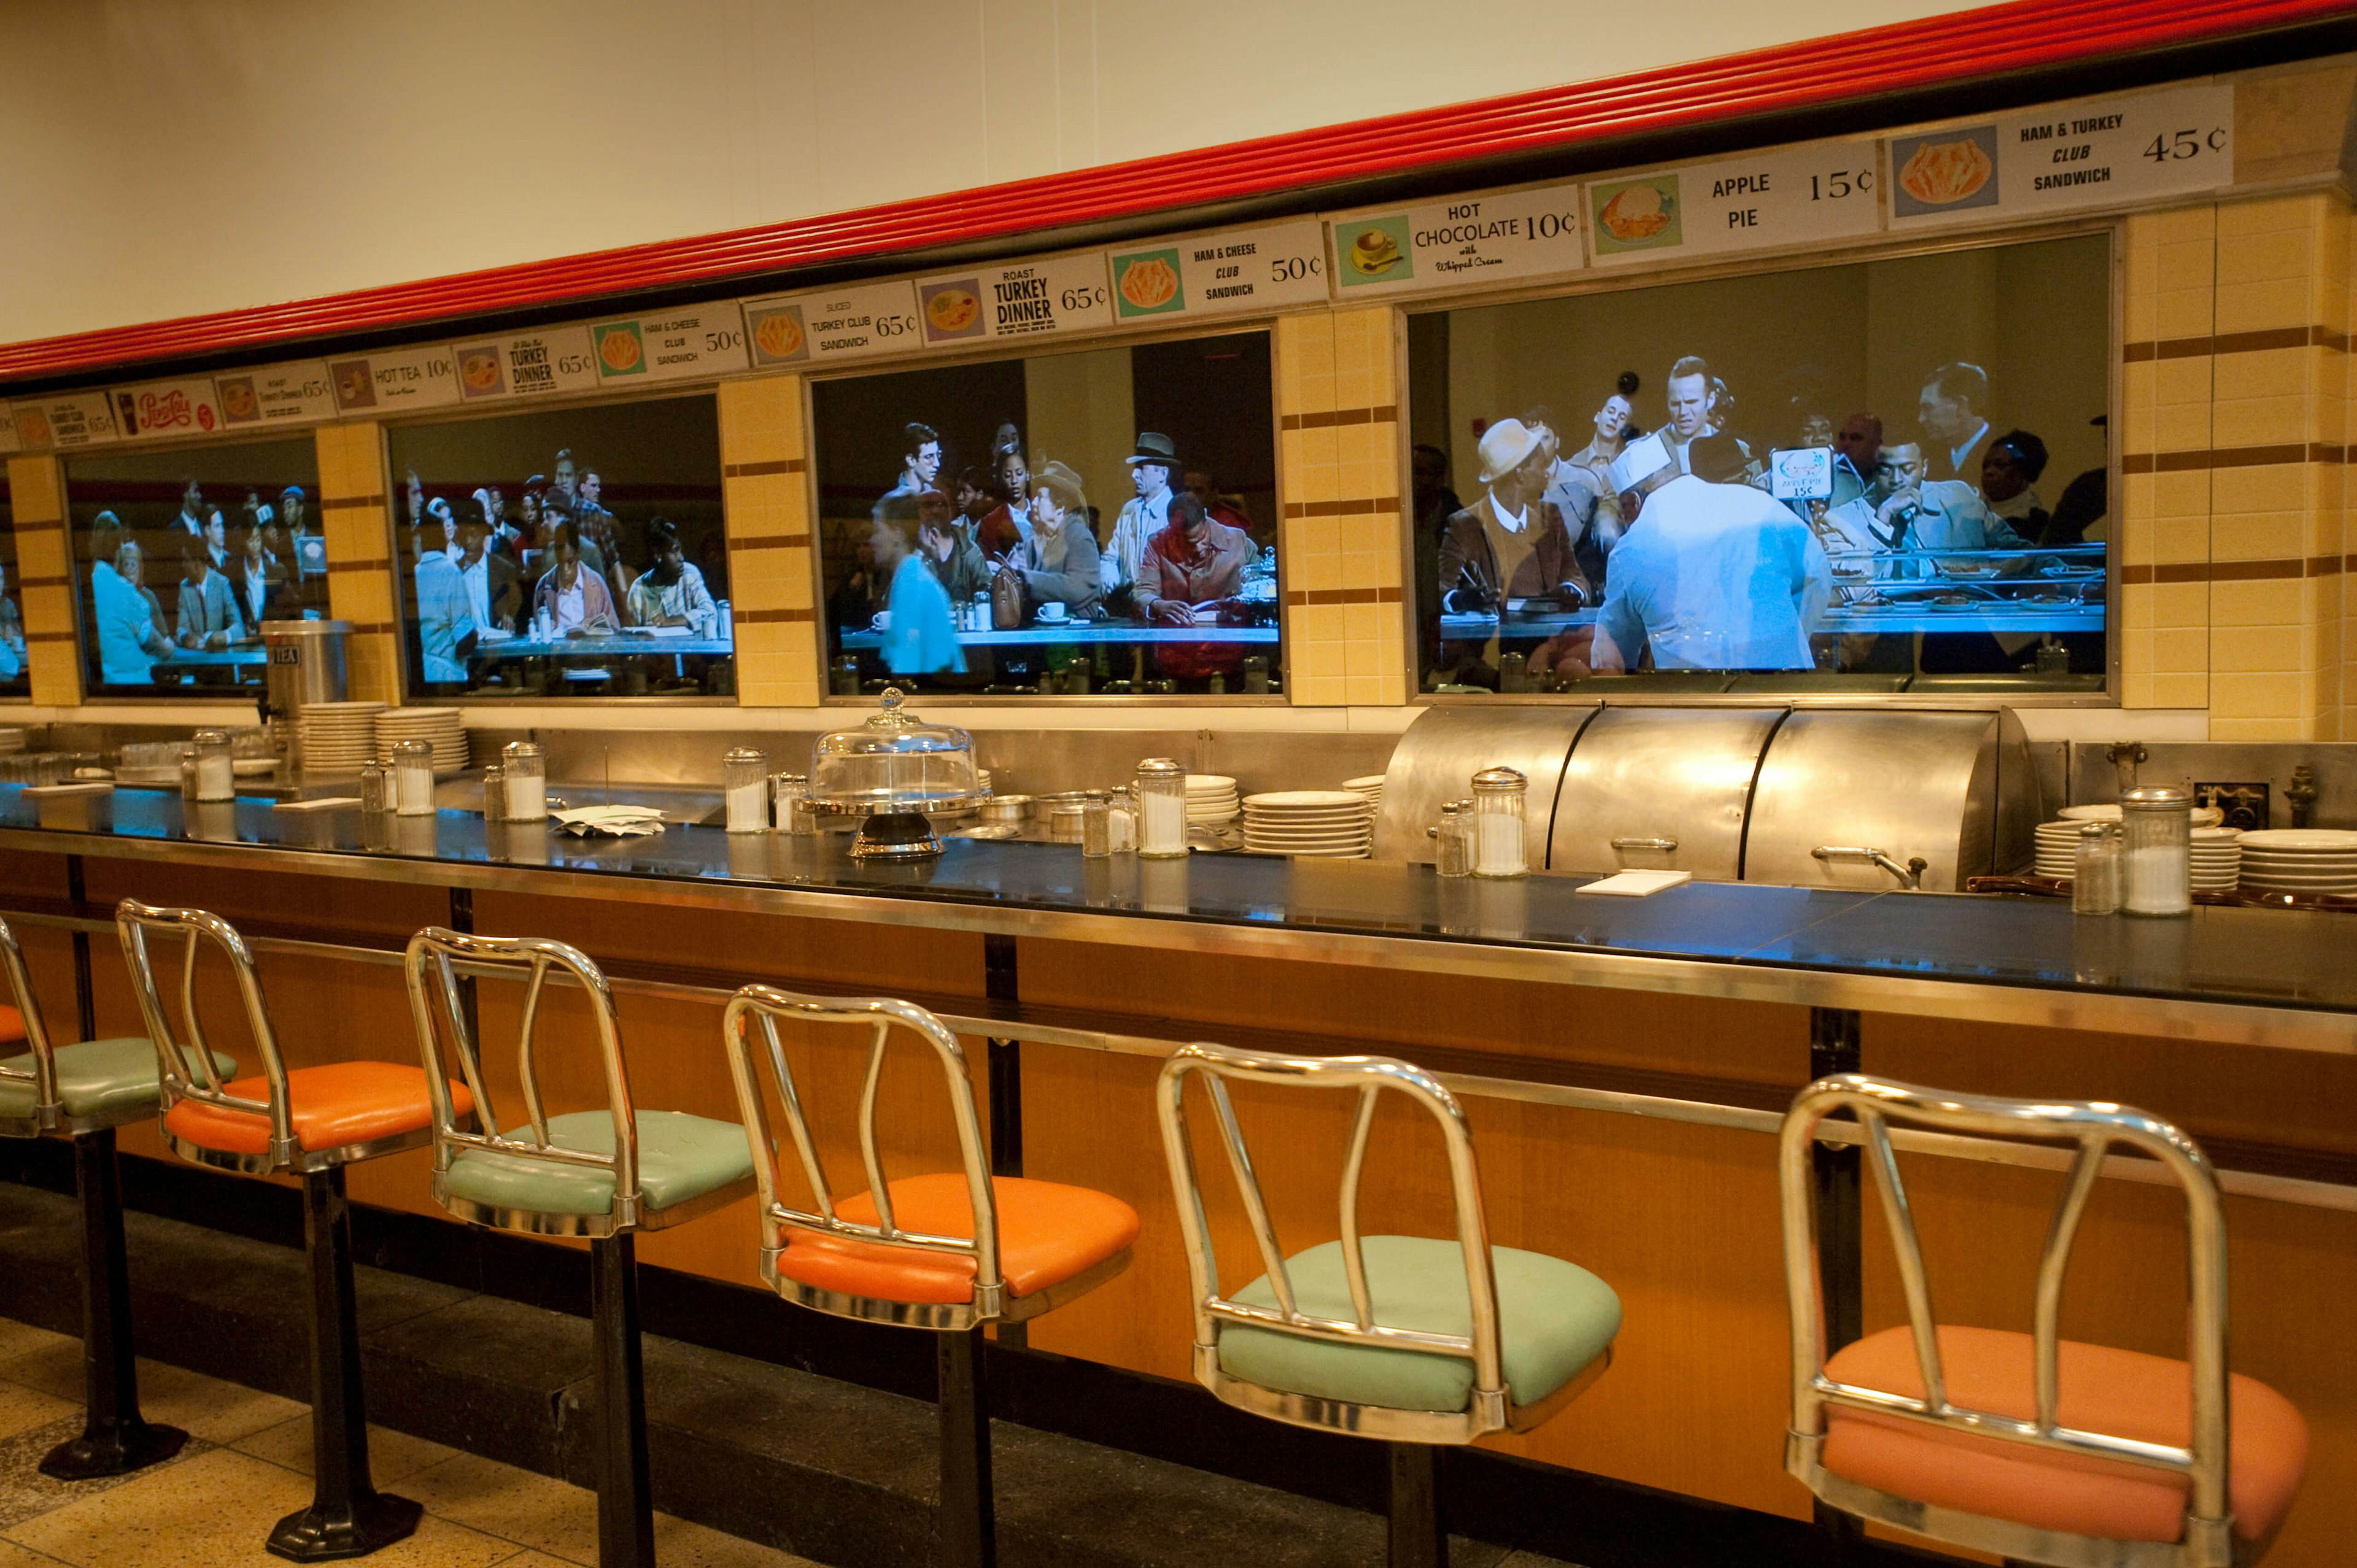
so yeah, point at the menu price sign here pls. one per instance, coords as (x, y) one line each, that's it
(1794, 197)
(853, 322)
(66, 422)
(1035, 299)
(280, 394)
(154, 410)
(531, 364)
(703, 342)
(1214, 275)
(1476, 240)
(396, 383)
(9, 440)
(2065, 157)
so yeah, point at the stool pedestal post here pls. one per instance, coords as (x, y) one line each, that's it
(115, 1439)
(965, 1523)
(625, 1525)
(347, 1516)
(1419, 1536)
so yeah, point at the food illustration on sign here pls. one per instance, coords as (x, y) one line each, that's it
(1149, 283)
(1374, 252)
(353, 387)
(1942, 174)
(479, 368)
(952, 310)
(32, 427)
(619, 350)
(1638, 212)
(779, 336)
(236, 400)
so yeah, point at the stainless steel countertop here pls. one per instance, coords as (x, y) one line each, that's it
(2276, 978)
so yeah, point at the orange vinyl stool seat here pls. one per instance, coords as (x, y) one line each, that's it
(1048, 1233)
(2123, 1393)
(12, 1025)
(331, 1107)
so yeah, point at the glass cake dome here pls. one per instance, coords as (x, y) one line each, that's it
(895, 767)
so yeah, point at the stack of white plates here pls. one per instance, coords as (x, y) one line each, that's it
(438, 727)
(982, 779)
(2203, 816)
(11, 740)
(1335, 823)
(1210, 799)
(2058, 848)
(1372, 787)
(2301, 860)
(339, 738)
(2217, 859)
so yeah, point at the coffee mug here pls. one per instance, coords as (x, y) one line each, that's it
(883, 621)
(1051, 611)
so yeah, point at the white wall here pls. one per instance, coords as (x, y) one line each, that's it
(174, 157)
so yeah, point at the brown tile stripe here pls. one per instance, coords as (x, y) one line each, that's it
(1386, 414)
(755, 470)
(350, 503)
(756, 617)
(1339, 509)
(374, 628)
(377, 565)
(39, 524)
(2235, 343)
(48, 637)
(2240, 571)
(1343, 597)
(45, 582)
(2232, 457)
(771, 542)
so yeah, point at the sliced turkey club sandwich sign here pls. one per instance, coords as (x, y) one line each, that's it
(855, 322)
(1034, 299)
(1785, 199)
(65, 422)
(2064, 157)
(1451, 244)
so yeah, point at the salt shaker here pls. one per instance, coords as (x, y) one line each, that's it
(2095, 872)
(1452, 853)
(1161, 809)
(1096, 829)
(376, 788)
(1498, 846)
(1120, 820)
(216, 778)
(2157, 853)
(413, 778)
(744, 775)
(495, 793)
(790, 804)
(526, 772)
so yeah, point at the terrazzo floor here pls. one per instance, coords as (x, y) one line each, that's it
(247, 1465)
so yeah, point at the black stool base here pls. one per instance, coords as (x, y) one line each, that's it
(323, 1534)
(122, 1447)
(1418, 1536)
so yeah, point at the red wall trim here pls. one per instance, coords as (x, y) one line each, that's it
(1963, 46)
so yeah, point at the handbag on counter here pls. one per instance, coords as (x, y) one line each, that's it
(1010, 602)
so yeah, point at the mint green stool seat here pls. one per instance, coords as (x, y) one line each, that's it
(681, 1158)
(111, 1078)
(1554, 1319)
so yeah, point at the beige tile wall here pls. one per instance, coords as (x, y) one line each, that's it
(1340, 448)
(765, 493)
(45, 580)
(355, 521)
(2236, 444)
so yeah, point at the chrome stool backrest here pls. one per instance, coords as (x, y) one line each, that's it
(1489, 1409)
(185, 1068)
(43, 1074)
(766, 1005)
(2093, 1128)
(532, 961)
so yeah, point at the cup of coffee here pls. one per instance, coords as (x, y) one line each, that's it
(1051, 612)
(883, 621)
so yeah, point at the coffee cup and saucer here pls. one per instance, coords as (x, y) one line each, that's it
(1053, 614)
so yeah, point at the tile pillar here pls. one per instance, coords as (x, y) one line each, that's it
(44, 581)
(773, 571)
(356, 523)
(1340, 446)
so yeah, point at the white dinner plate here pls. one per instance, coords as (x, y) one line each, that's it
(1280, 800)
(2303, 841)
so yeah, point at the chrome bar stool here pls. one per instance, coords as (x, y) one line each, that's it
(309, 1122)
(1412, 1340)
(2029, 1446)
(605, 1175)
(82, 1092)
(950, 1251)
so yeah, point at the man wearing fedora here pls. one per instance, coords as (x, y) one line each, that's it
(1151, 466)
(1511, 542)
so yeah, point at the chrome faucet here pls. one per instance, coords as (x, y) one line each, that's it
(1910, 875)
(2124, 754)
